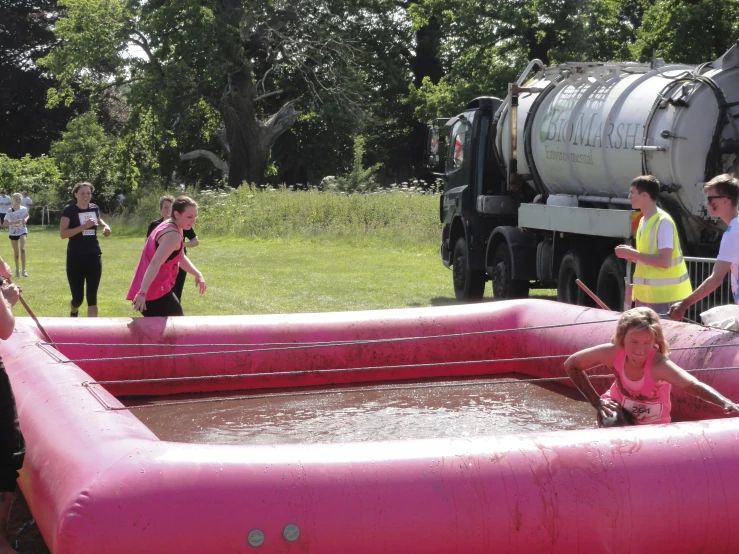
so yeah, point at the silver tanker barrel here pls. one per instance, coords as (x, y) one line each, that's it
(587, 129)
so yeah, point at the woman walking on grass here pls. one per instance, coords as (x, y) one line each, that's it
(192, 240)
(16, 219)
(152, 286)
(79, 224)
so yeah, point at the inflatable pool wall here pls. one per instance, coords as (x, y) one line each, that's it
(99, 481)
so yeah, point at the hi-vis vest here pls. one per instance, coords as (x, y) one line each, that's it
(655, 285)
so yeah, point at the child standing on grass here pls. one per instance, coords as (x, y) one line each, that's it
(15, 220)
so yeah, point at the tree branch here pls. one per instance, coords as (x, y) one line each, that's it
(215, 160)
(263, 96)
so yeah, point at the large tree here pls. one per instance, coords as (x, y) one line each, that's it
(235, 69)
(26, 125)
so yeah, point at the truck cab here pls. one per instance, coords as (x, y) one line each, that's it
(475, 203)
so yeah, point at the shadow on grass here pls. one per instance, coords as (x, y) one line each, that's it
(451, 301)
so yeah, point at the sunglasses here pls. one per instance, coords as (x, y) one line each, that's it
(712, 198)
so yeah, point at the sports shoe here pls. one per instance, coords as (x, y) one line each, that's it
(17, 273)
(25, 273)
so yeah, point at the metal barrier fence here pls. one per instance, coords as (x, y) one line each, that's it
(699, 269)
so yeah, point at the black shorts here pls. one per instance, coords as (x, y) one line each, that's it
(167, 305)
(17, 237)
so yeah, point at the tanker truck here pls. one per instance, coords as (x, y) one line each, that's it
(536, 184)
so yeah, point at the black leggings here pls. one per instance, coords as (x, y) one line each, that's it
(12, 445)
(79, 270)
(165, 306)
(179, 284)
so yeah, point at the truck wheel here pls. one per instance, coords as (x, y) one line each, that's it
(503, 285)
(468, 284)
(574, 267)
(610, 287)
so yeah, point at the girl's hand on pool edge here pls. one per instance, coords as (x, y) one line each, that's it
(731, 408)
(200, 283)
(608, 407)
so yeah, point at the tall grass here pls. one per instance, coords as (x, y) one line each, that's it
(400, 216)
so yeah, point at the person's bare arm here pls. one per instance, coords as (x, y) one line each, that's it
(666, 370)
(714, 280)
(662, 260)
(188, 266)
(579, 362)
(10, 295)
(106, 228)
(192, 243)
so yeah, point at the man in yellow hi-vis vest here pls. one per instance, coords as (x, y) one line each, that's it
(661, 276)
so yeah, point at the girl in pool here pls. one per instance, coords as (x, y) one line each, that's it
(637, 356)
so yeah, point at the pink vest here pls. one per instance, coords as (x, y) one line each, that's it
(646, 400)
(167, 275)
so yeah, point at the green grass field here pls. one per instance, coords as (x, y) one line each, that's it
(250, 276)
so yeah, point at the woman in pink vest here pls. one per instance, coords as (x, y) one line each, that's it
(637, 356)
(151, 287)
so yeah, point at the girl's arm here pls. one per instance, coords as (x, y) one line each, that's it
(667, 370)
(579, 362)
(106, 228)
(168, 243)
(188, 266)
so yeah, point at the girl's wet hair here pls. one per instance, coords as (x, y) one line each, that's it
(638, 319)
(181, 203)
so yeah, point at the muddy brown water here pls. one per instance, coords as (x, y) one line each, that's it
(385, 411)
(367, 412)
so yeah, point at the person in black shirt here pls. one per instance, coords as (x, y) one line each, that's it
(191, 240)
(79, 224)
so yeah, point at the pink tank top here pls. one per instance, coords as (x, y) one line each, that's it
(167, 275)
(646, 400)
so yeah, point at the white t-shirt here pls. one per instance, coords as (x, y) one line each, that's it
(17, 223)
(665, 233)
(729, 252)
(26, 201)
(5, 202)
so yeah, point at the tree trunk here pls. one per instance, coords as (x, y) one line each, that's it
(250, 139)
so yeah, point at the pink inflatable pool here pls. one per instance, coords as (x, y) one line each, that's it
(99, 481)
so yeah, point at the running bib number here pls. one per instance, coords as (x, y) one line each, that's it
(84, 216)
(643, 412)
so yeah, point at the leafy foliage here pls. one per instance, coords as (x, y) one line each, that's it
(87, 153)
(359, 179)
(687, 31)
(39, 176)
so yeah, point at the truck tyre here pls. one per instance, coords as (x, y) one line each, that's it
(610, 287)
(468, 284)
(574, 267)
(503, 285)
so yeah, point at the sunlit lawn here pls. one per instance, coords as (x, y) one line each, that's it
(250, 276)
